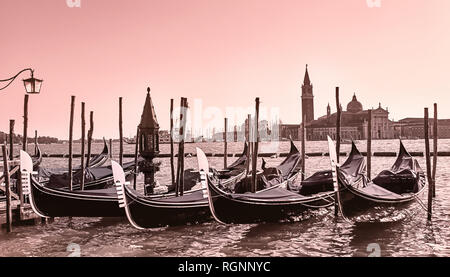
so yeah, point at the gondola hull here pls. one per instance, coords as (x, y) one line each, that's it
(101, 202)
(354, 201)
(228, 209)
(397, 187)
(147, 213)
(49, 202)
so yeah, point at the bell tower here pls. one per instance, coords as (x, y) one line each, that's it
(307, 98)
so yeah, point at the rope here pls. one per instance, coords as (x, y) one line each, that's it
(421, 204)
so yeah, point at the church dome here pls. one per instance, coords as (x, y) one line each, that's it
(354, 106)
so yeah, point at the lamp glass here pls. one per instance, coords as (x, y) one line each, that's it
(32, 85)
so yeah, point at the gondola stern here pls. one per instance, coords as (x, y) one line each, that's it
(26, 170)
(105, 147)
(403, 152)
(210, 190)
(122, 191)
(293, 148)
(354, 151)
(203, 167)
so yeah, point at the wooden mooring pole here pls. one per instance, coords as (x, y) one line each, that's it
(72, 109)
(369, 145)
(11, 139)
(89, 140)
(338, 145)
(25, 124)
(35, 141)
(7, 188)
(120, 133)
(110, 148)
(182, 147)
(180, 165)
(225, 128)
(435, 147)
(303, 149)
(255, 147)
(136, 153)
(247, 136)
(427, 159)
(83, 137)
(172, 167)
(338, 125)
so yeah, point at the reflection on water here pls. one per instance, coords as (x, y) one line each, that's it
(317, 233)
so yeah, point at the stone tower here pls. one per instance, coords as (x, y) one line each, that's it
(307, 98)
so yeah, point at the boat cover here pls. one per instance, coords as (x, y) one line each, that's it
(403, 176)
(90, 175)
(275, 193)
(282, 172)
(351, 170)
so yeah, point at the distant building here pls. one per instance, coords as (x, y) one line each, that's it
(290, 131)
(164, 136)
(413, 128)
(238, 134)
(307, 98)
(354, 123)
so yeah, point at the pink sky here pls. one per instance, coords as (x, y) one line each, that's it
(225, 52)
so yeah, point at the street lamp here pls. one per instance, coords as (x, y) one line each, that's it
(148, 130)
(148, 144)
(32, 85)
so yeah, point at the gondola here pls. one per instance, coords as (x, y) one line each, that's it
(395, 187)
(98, 198)
(60, 202)
(227, 177)
(145, 212)
(58, 178)
(278, 202)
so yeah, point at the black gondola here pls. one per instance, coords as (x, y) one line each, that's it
(100, 198)
(228, 177)
(145, 212)
(60, 202)
(59, 178)
(277, 203)
(398, 186)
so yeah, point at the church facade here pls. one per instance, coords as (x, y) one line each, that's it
(354, 120)
(354, 123)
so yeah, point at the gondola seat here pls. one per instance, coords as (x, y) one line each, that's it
(318, 182)
(404, 181)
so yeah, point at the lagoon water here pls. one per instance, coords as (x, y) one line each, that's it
(318, 233)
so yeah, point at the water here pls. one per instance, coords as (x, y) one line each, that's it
(396, 233)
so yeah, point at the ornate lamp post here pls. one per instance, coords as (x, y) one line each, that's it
(148, 143)
(32, 85)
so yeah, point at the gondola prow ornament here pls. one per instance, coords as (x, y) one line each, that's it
(148, 143)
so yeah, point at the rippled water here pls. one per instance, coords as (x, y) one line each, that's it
(319, 233)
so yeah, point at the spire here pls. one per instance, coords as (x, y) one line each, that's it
(148, 117)
(306, 81)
